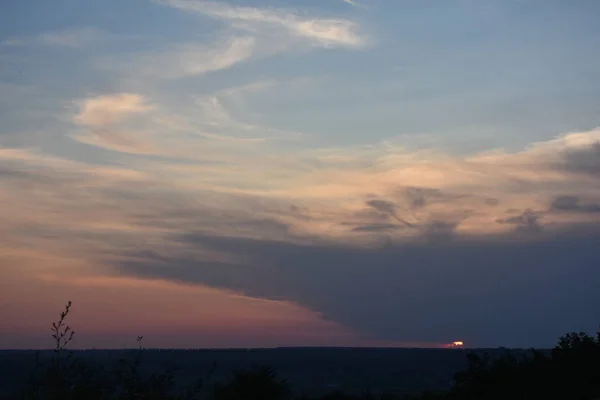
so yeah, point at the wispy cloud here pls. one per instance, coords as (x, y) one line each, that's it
(326, 31)
(238, 92)
(108, 120)
(251, 34)
(354, 3)
(76, 37)
(193, 59)
(130, 123)
(109, 109)
(12, 42)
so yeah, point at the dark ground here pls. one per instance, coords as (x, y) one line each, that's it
(312, 371)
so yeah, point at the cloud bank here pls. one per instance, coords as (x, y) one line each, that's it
(391, 243)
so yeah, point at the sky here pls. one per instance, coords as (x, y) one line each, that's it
(261, 173)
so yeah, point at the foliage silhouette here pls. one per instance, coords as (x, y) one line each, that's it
(69, 378)
(571, 371)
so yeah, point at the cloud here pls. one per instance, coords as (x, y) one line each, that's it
(330, 32)
(12, 42)
(387, 207)
(239, 92)
(440, 230)
(235, 320)
(106, 117)
(375, 228)
(228, 114)
(584, 159)
(323, 228)
(573, 204)
(76, 37)
(207, 133)
(528, 221)
(251, 34)
(354, 3)
(197, 61)
(432, 193)
(109, 109)
(576, 153)
(429, 292)
(347, 214)
(193, 59)
(419, 197)
(380, 238)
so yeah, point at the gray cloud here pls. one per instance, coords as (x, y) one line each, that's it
(486, 292)
(419, 197)
(389, 208)
(386, 207)
(375, 228)
(583, 160)
(528, 221)
(573, 204)
(440, 230)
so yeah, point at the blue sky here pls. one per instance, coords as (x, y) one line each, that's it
(225, 144)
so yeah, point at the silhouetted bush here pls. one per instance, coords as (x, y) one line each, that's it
(66, 377)
(570, 371)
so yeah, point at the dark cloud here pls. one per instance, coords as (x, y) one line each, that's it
(528, 221)
(486, 292)
(372, 215)
(573, 204)
(383, 206)
(440, 230)
(375, 228)
(419, 197)
(389, 208)
(584, 160)
(301, 213)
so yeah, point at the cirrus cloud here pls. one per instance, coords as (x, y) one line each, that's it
(326, 31)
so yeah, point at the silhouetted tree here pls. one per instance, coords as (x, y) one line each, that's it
(570, 372)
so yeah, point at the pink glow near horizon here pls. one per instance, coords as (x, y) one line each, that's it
(110, 312)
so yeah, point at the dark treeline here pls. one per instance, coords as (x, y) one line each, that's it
(571, 371)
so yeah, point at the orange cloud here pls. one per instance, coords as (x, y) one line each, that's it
(109, 109)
